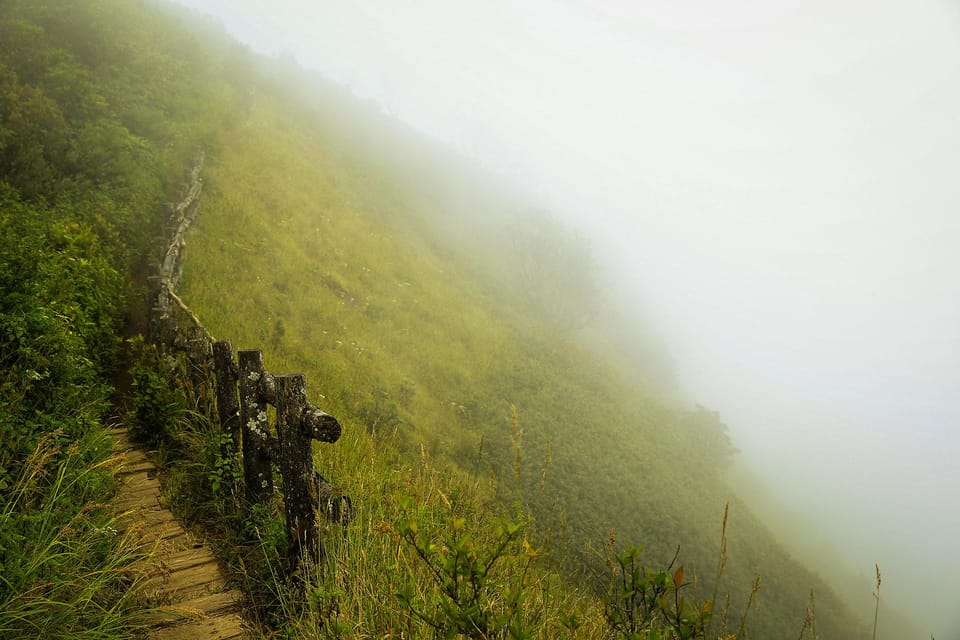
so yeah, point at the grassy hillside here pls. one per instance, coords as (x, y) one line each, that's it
(433, 312)
(327, 255)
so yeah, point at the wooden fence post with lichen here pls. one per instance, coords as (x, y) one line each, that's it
(228, 406)
(296, 467)
(199, 357)
(298, 423)
(256, 390)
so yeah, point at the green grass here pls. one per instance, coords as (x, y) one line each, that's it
(329, 262)
(70, 574)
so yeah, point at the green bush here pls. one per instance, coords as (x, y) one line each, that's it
(473, 596)
(61, 560)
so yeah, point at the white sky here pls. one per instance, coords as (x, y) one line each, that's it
(777, 181)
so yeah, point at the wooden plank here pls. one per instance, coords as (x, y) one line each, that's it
(144, 499)
(147, 517)
(198, 609)
(223, 628)
(128, 447)
(159, 526)
(176, 540)
(139, 485)
(134, 465)
(186, 558)
(125, 444)
(118, 434)
(122, 440)
(142, 491)
(139, 481)
(188, 583)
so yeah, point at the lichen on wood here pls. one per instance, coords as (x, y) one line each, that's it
(257, 472)
(228, 406)
(300, 493)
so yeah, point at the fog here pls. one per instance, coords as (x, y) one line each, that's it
(774, 183)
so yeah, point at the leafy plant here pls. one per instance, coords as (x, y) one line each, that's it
(471, 599)
(159, 407)
(643, 603)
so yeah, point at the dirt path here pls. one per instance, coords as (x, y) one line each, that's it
(185, 586)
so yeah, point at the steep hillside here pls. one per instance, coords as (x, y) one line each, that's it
(433, 311)
(327, 253)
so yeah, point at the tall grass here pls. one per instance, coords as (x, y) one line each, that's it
(66, 567)
(428, 553)
(876, 611)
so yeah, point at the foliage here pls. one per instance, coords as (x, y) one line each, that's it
(643, 603)
(60, 299)
(97, 117)
(158, 406)
(468, 600)
(640, 603)
(96, 102)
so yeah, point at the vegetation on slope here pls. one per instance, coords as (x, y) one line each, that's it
(332, 262)
(479, 433)
(95, 111)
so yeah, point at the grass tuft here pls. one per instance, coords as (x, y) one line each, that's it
(66, 564)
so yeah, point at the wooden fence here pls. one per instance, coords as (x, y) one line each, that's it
(243, 391)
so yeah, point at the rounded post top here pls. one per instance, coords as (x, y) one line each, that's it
(320, 425)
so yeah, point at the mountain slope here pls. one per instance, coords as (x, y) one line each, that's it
(326, 254)
(434, 313)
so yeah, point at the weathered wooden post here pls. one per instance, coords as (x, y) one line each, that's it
(163, 326)
(325, 428)
(319, 425)
(228, 407)
(199, 356)
(256, 389)
(296, 466)
(298, 422)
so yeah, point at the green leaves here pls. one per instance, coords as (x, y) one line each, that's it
(60, 299)
(645, 603)
(480, 587)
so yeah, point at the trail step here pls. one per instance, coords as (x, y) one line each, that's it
(187, 591)
(199, 609)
